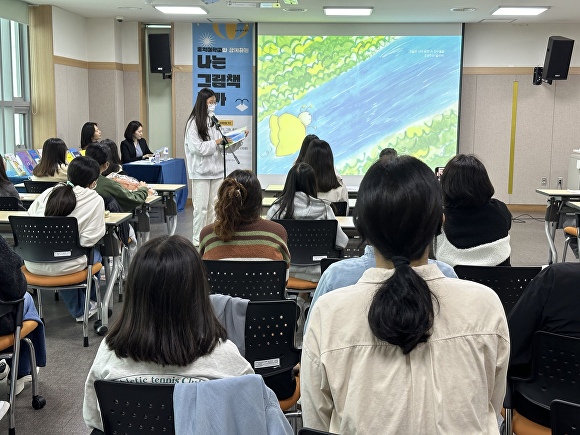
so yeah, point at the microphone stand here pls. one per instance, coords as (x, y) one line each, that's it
(224, 142)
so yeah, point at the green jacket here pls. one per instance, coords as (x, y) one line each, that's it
(127, 200)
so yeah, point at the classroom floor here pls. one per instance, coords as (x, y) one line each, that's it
(62, 380)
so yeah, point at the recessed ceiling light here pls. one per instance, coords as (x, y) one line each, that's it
(128, 8)
(182, 10)
(294, 10)
(347, 11)
(520, 10)
(463, 9)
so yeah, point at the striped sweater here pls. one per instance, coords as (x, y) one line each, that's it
(261, 239)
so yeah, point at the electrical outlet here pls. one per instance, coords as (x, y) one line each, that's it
(559, 183)
(544, 181)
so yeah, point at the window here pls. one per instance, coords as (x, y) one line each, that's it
(15, 131)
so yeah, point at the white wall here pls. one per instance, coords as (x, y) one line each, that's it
(130, 43)
(69, 34)
(183, 44)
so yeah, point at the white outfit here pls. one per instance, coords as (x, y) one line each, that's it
(223, 362)
(454, 383)
(337, 194)
(306, 207)
(205, 167)
(59, 175)
(90, 215)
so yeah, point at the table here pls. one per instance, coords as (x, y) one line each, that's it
(28, 198)
(171, 171)
(268, 201)
(142, 219)
(167, 192)
(277, 188)
(557, 205)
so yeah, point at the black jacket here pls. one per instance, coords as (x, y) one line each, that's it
(128, 153)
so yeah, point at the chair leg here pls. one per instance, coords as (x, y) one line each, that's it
(566, 244)
(508, 421)
(56, 295)
(38, 401)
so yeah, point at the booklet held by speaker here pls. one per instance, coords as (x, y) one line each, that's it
(235, 136)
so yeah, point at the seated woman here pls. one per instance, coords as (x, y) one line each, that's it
(13, 287)
(134, 147)
(115, 170)
(416, 342)
(304, 147)
(77, 199)
(126, 198)
(330, 185)
(239, 231)
(6, 186)
(167, 331)
(52, 165)
(90, 133)
(476, 227)
(299, 200)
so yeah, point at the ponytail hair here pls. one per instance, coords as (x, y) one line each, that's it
(398, 210)
(61, 201)
(239, 202)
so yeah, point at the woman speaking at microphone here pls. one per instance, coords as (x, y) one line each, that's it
(205, 161)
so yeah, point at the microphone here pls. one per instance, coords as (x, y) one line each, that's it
(215, 121)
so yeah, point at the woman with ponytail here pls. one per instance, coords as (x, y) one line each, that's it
(405, 349)
(239, 231)
(75, 198)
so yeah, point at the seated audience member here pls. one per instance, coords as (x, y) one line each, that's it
(90, 133)
(167, 330)
(476, 227)
(298, 200)
(76, 199)
(134, 147)
(6, 186)
(329, 185)
(421, 345)
(115, 170)
(304, 147)
(52, 165)
(239, 231)
(13, 287)
(127, 199)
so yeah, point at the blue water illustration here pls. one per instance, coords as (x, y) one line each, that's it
(411, 79)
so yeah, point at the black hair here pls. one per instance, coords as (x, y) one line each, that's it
(319, 156)
(3, 176)
(167, 316)
(98, 152)
(87, 133)
(132, 127)
(115, 164)
(388, 153)
(53, 155)
(398, 210)
(82, 171)
(300, 178)
(239, 202)
(465, 182)
(304, 147)
(199, 113)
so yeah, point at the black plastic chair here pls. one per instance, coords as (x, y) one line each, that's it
(310, 240)
(269, 339)
(132, 409)
(8, 203)
(50, 240)
(15, 309)
(38, 186)
(248, 279)
(555, 375)
(326, 262)
(509, 282)
(307, 431)
(340, 208)
(565, 417)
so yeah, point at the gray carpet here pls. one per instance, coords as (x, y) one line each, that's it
(68, 362)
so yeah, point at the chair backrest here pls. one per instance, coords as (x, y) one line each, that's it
(270, 328)
(508, 282)
(565, 417)
(38, 186)
(340, 208)
(46, 239)
(307, 431)
(130, 408)
(8, 203)
(15, 308)
(309, 241)
(248, 279)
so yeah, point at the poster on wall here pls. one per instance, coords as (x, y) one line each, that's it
(222, 61)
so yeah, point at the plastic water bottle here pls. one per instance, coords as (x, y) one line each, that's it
(157, 157)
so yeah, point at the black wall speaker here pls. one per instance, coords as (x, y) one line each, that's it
(159, 53)
(558, 57)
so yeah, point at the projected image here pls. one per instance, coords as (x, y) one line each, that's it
(359, 93)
